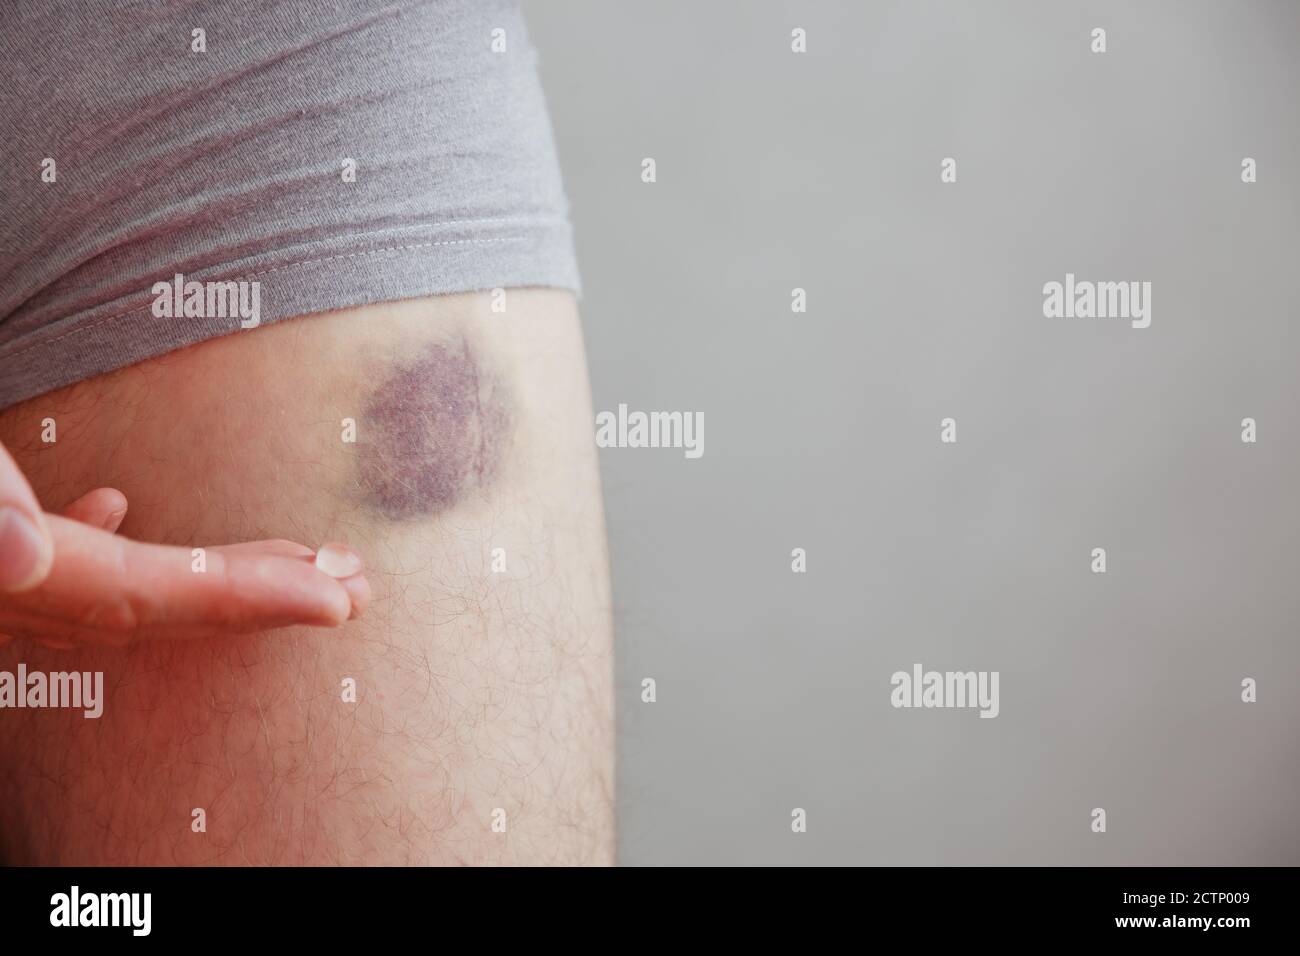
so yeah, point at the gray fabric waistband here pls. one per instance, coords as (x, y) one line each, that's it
(131, 155)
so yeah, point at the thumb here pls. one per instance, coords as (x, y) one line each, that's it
(26, 549)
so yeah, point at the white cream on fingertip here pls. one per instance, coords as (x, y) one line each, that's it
(338, 560)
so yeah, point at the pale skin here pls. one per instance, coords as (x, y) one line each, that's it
(476, 638)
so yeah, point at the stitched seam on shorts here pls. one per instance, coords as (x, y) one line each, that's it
(279, 268)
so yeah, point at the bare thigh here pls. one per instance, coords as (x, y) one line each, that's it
(466, 717)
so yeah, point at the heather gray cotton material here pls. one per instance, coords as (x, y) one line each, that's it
(226, 165)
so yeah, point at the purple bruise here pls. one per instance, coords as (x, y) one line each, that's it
(430, 433)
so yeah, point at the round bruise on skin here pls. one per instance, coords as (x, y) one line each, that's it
(432, 431)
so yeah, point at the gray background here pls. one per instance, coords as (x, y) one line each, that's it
(821, 170)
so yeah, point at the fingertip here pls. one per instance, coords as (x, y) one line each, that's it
(277, 590)
(116, 505)
(336, 604)
(26, 550)
(358, 589)
(102, 508)
(324, 601)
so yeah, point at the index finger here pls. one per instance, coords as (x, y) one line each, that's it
(116, 589)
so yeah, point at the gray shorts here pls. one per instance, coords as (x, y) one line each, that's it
(162, 184)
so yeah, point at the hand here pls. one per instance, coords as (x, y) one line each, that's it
(70, 579)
